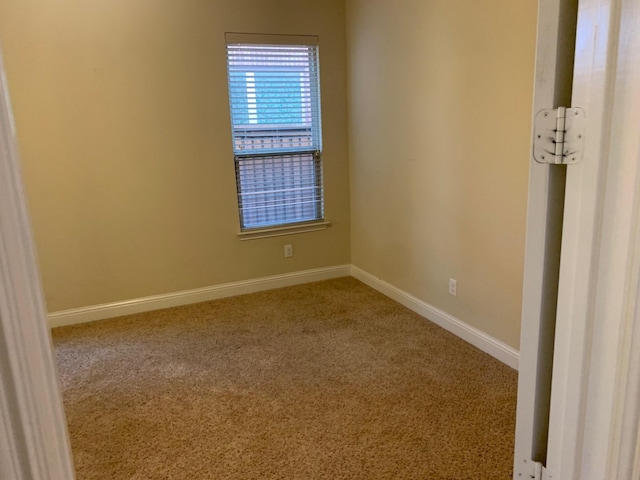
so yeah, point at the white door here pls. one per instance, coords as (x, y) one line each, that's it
(590, 408)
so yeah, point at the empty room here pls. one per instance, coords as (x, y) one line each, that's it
(279, 238)
(132, 159)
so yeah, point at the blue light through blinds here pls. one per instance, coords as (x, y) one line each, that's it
(274, 97)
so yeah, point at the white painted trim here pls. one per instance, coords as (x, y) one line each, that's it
(35, 444)
(593, 430)
(552, 88)
(612, 406)
(283, 230)
(591, 285)
(624, 449)
(475, 337)
(479, 339)
(175, 299)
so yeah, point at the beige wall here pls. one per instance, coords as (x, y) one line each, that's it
(123, 123)
(439, 118)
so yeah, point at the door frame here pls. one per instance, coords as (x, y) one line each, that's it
(555, 45)
(597, 321)
(594, 404)
(32, 417)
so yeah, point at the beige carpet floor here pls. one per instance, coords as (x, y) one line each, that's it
(329, 380)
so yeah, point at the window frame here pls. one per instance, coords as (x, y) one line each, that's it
(305, 157)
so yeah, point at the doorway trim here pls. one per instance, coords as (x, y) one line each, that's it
(31, 412)
(594, 410)
(594, 405)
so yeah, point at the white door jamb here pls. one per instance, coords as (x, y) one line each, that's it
(31, 413)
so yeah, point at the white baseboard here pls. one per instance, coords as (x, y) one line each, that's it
(156, 302)
(479, 339)
(497, 349)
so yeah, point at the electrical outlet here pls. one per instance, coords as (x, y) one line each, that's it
(288, 251)
(453, 287)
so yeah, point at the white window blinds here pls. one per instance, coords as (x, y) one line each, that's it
(274, 97)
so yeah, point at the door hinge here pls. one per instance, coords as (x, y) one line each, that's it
(540, 472)
(530, 470)
(558, 136)
(537, 471)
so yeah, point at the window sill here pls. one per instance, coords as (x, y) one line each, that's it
(283, 230)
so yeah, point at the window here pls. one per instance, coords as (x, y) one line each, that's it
(274, 95)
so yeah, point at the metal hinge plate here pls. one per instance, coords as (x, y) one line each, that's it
(558, 136)
(530, 470)
(541, 473)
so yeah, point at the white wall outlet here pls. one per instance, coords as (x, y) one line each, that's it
(288, 251)
(453, 287)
